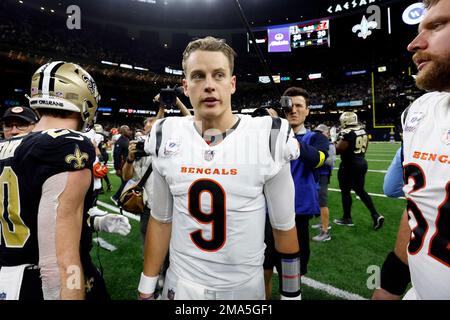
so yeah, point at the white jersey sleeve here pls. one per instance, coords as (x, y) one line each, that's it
(98, 138)
(282, 143)
(163, 212)
(280, 193)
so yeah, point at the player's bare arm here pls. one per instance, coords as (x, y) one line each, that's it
(159, 230)
(68, 231)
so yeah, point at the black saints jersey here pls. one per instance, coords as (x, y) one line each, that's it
(26, 162)
(358, 141)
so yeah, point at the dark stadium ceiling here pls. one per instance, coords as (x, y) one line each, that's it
(203, 14)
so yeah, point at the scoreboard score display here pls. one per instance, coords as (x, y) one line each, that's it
(287, 37)
(310, 34)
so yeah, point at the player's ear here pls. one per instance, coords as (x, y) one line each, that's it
(233, 84)
(185, 88)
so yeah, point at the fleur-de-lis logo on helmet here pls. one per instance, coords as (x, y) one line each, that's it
(78, 158)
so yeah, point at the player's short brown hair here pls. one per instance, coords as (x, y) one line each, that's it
(297, 91)
(209, 44)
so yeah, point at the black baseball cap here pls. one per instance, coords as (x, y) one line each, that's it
(19, 112)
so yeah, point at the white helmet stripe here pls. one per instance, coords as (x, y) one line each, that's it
(46, 77)
(52, 76)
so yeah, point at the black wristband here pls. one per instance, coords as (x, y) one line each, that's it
(395, 275)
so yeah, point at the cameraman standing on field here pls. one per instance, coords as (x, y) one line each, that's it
(135, 167)
(120, 154)
(137, 163)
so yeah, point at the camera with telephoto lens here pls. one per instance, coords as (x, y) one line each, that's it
(286, 104)
(140, 150)
(282, 107)
(168, 96)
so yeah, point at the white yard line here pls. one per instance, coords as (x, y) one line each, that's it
(330, 289)
(372, 194)
(336, 292)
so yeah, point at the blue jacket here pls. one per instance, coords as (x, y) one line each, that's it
(313, 153)
(393, 180)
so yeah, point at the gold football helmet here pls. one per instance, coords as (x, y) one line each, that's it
(98, 128)
(348, 119)
(65, 86)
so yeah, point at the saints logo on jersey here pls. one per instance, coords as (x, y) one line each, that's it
(78, 159)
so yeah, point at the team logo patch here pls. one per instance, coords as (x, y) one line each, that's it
(78, 159)
(413, 121)
(17, 110)
(89, 284)
(171, 294)
(172, 147)
(90, 83)
(446, 137)
(2, 295)
(208, 155)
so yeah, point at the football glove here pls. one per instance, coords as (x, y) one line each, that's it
(109, 222)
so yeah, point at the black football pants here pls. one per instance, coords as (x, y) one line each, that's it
(352, 176)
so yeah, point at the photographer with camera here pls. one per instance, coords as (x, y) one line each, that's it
(138, 162)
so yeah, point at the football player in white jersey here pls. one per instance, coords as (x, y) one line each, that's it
(212, 176)
(425, 230)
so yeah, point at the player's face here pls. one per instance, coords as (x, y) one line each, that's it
(432, 48)
(209, 84)
(299, 111)
(14, 128)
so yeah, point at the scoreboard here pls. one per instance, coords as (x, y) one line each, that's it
(310, 34)
(288, 37)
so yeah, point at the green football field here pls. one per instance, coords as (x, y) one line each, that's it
(343, 268)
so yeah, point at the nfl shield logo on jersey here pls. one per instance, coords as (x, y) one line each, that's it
(2, 295)
(413, 121)
(171, 294)
(171, 148)
(208, 155)
(446, 137)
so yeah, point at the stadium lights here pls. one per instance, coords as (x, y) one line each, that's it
(313, 76)
(110, 63)
(147, 1)
(141, 68)
(42, 8)
(126, 66)
(20, 1)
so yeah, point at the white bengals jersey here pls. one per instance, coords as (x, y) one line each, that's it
(426, 143)
(219, 208)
